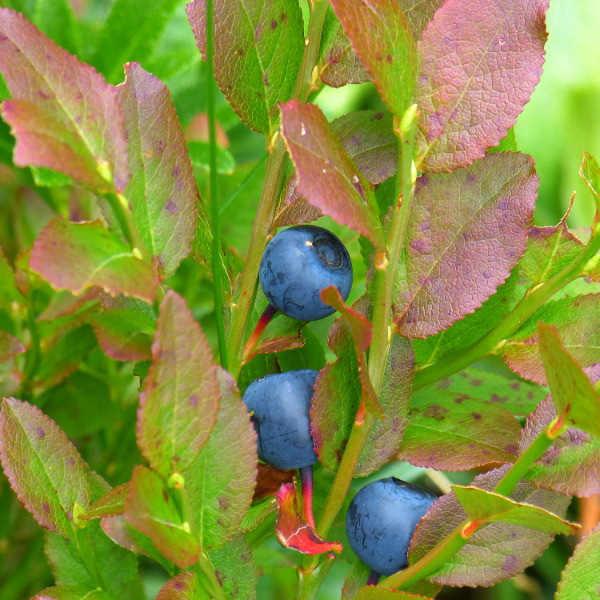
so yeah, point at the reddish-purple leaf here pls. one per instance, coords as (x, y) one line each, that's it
(252, 68)
(452, 432)
(75, 256)
(152, 511)
(63, 113)
(124, 334)
(220, 481)
(43, 467)
(184, 586)
(381, 36)
(180, 401)
(10, 346)
(571, 466)
(480, 63)
(467, 231)
(387, 433)
(578, 320)
(362, 332)
(68, 592)
(162, 191)
(327, 176)
(495, 552)
(291, 528)
(419, 13)
(110, 505)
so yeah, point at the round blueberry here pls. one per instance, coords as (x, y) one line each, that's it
(297, 264)
(381, 521)
(280, 405)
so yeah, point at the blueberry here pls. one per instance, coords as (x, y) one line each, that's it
(381, 521)
(297, 264)
(280, 406)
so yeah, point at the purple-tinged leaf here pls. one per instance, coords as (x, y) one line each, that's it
(387, 433)
(371, 592)
(184, 586)
(235, 569)
(282, 333)
(293, 209)
(327, 176)
(338, 63)
(549, 250)
(124, 334)
(220, 481)
(480, 63)
(362, 332)
(578, 320)
(258, 49)
(10, 346)
(43, 467)
(180, 401)
(575, 398)
(68, 592)
(419, 13)
(291, 528)
(519, 397)
(579, 579)
(467, 231)
(590, 173)
(381, 36)
(63, 113)
(495, 552)
(152, 511)
(75, 256)
(337, 395)
(110, 505)
(483, 506)
(451, 432)
(571, 466)
(162, 191)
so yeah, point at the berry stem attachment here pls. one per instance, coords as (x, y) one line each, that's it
(374, 577)
(306, 477)
(263, 321)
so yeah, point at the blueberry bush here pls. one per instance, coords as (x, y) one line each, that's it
(148, 153)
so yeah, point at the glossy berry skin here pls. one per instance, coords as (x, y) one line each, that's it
(297, 264)
(280, 405)
(381, 521)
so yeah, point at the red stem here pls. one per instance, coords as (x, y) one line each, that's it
(306, 476)
(263, 321)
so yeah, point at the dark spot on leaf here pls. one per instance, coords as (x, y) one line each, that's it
(171, 207)
(435, 411)
(529, 395)
(510, 564)
(476, 416)
(179, 585)
(576, 436)
(43, 95)
(515, 385)
(161, 146)
(355, 140)
(389, 58)
(223, 503)
(257, 33)
(273, 24)
(495, 398)
(194, 400)
(511, 449)
(176, 171)
(377, 117)
(240, 52)
(45, 507)
(176, 458)
(476, 382)
(420, 246)
(71, 461)
(3, 38)
(458, 400)
(445, 383)
(265, 79)
(165, 496)
(41, 433)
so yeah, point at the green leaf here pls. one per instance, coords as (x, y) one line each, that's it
(220, 482)
(180, 402)
(451, 432)
(153, 512)
(120, 42)
(372, 592)
(251, 67)
(327, 177)
(63, 113)
(55, 476)
(124, 334)
(49, 178)
(577, 318)
(76, 256)
(456, 219)
(580, 577)
(235, 569)
(162, 191)
(382, 38)
(55, 18)
(483, 506)
(199, 155)
(590, 173)
(576, 400)
(8, 286)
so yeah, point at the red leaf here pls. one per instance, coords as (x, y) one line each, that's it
(291, 529)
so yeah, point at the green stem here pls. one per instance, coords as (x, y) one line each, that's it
(84, 547)
(533, 299)
(217, 269)
(310, 581)
(205, 572)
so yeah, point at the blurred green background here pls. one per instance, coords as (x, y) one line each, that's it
(561, 121)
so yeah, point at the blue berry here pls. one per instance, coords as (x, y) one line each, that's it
(381, 521)
(297, 264)
(280, 405)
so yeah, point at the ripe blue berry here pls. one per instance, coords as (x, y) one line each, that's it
(381, 521)
(280, 407)
(297, 264)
